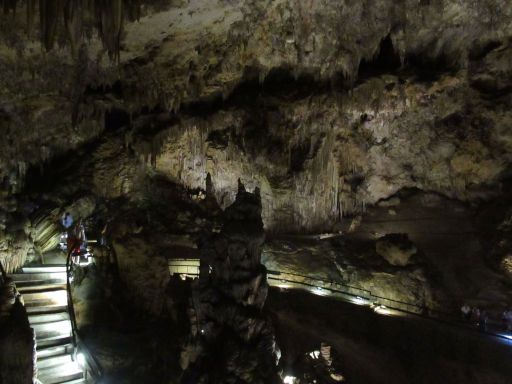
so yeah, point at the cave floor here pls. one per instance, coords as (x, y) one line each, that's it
(375, 348)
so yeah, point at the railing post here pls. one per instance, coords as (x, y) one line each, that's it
(71, 308)
(2, 270)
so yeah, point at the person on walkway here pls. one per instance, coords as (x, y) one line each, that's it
(504, 319)
(475, 315)
(466, 312)
(507, 320)
(66, 220)
(76, 240)
(482, 321)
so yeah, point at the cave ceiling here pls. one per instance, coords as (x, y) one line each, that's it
(327, 106)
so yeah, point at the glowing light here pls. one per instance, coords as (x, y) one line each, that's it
(289, 380)
(57, 297)
(80, 359)
(382, 310)
(88, 259)
(202, 331)
(314, 354)
(320, 291)
(359, 301)
(283, 286)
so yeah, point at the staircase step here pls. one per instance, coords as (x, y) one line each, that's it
(61, 374)
(55, 351)
(40, 285)
(48, 318)
(45, 268)
(34, 311)
(53, 342)
(43, 289)
(79, 381)
(57, 297)
(54, 361)
(21, 277)
(49, 330)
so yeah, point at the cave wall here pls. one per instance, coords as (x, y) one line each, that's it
(320, 158)
(394, 95)
(17, 339)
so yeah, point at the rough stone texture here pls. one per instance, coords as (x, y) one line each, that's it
(16, 245)
(354, 263)
(314, 158)
(231, 339)
(397, 249)
(143, 271)
(17, 339)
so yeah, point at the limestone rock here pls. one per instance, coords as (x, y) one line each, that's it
(227, 301)
(396, 249)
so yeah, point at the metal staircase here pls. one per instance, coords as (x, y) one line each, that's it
(44, 293)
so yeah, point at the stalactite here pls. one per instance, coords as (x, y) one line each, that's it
(109, 15)
(9, 6)
(77, 16)
(31, 10)
(49, 19)
(73, 15)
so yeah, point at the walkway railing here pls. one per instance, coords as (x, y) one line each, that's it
(3, 274)
(382, 304)
(353, 294)
(89, 362)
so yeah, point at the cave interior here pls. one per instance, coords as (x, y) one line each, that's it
(255, 191)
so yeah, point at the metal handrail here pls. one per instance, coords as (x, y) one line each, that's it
(78, 344)
(71, 307)
(424, 312)
(366, 293)
(396, 305)
(277, 273)
(3, 273)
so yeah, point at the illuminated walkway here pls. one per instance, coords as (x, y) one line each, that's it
(381, 305)
(43, 290)
(189, 268)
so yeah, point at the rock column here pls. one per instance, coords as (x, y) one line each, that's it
(232, 340)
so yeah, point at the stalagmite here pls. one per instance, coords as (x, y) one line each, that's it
(231, 338)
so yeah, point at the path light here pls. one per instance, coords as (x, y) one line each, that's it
(359, 301)
(289, 380)
(320, 291)
(382, 310)
(80, 359)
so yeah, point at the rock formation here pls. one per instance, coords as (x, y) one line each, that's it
(17, 340)
(354, 118)
(232, 339)
(396, 249)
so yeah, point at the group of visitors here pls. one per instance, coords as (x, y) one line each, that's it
(76, 239)
(480, 317)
